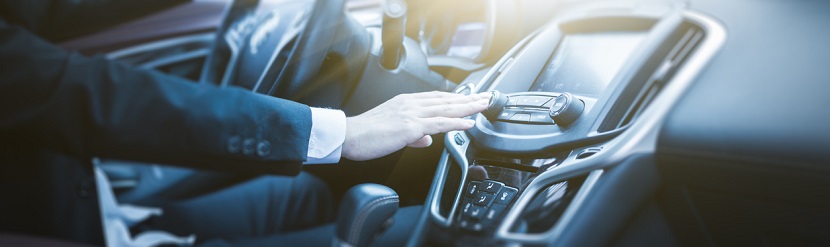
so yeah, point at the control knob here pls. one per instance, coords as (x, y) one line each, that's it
(497, 103)
(566, 109)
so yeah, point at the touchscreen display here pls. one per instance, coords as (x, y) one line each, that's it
(584, 64)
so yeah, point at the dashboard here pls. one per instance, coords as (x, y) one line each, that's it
(584, 89)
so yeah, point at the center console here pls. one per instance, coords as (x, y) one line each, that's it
(569, 101)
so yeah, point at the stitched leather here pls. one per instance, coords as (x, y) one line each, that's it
(358, 224)
(363, 210)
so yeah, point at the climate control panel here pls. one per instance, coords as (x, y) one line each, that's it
(561, 109)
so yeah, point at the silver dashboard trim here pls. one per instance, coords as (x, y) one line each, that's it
(441, 177)
(459, 152)
(641, 137)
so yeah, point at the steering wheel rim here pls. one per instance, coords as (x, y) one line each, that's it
(273, 47)
(310, 49)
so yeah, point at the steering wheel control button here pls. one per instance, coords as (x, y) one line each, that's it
(497, 103)
(483, 199)
(566, 109)
(491, 186)
(506, 195)
(472, 188)
(494, 212)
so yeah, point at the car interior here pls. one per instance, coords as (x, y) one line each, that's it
(611, 123)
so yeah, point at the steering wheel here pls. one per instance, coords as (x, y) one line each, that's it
(278, 47)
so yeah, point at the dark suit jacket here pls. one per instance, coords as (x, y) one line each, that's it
(58, 109)
(87, 107)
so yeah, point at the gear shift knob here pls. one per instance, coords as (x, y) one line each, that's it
(366, 211)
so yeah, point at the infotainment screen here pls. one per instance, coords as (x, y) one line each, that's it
(585, 63)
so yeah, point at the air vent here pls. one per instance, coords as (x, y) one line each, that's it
(637, 96)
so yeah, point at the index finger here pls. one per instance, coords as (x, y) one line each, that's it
(454, 110)
(456, 99)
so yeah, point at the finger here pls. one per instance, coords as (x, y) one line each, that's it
(456, 99)
(454, 110)
(422, 143)
(443, 124)
(433, 95)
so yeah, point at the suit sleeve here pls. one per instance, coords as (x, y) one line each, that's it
(94, 107)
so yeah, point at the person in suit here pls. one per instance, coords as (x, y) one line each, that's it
(83, 107)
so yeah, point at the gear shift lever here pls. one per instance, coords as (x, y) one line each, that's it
(366, 211)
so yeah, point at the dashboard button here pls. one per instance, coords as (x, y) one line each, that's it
(540, 117)
(494, 212)
(496, 105)
(458, 139)
(549, 103)
(506, 195)
(507, 114)
(566, 109)
(466, 206)
(511, 101)
(532, 101)
(471, 225)
(472, 188)
(491, 186)
(483, 199)
(477, 227)
(520, 117)
(475, 212)
(464, 223)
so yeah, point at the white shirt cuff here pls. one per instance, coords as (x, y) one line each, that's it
(328, 132)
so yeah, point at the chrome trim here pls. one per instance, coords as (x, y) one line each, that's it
(162, 44)
(437, 190)
(230, 68)
(471, 86)
(567, 216)
(174, 59)
(641, 137)
(441, 176)
(459, 152)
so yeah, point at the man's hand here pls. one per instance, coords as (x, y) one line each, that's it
(408, 120)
